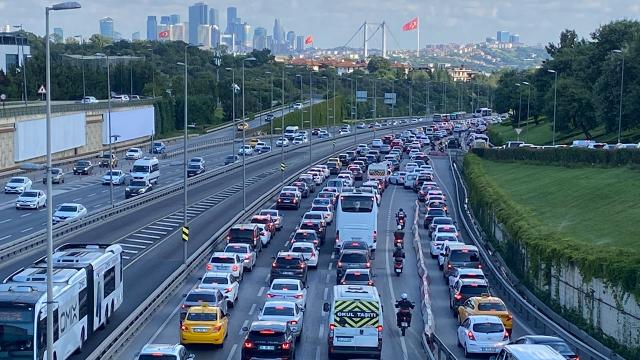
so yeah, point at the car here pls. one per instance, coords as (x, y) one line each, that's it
(230, 159)
(265, 149)
(136, 188)
(158, 147)
(351, 259)
(344, 132)
(88, 100)
(242, 126)
(268, 340)
(107, 159)
(443, 220)
(431, 214)
(303, 188)
(275, 215)
(254, 142)
(288, 289)
(115, 177)
(445, 229)
(297, 106)
(197, 160)
(17, 185)
(326, 210)
(358, 277)
(397, 178)
(195, 169)
(246, 252)
(306, 236)
(133, 154)
(309, 180)
(31, 199)
(466, 256)
(245, 150)
(486, 305)
(360, 245)
(265, 220)
(226, 282)
(57, 176)
(120, 98)
(309, 251)
(265, 234)
(318, 229)
(554, 342)
(290, 266)
(361, 125)
(69, 212)
(204, 324)
(289, 200)
(356, 171)
(198, 296)
(482, 334)
(463, 289)
(82, 167)
(300, 140)
(285, 311)
(227, 263)
(437, 242)
(316, 216)
(164, 351)
(282, 142)
(323, 134)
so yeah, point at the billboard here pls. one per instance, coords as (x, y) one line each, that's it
(361, 96)
(67, 132)
(390, 98)
(129, 124)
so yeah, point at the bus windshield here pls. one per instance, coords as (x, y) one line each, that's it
(16, 331)
(140, 169)
(356, 203)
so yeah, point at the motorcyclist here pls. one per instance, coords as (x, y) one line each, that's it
(400, 215)
(404, 307)
(398, 235)
(398, 252)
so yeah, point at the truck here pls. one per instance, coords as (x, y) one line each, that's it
(290, 132)
(379, 172)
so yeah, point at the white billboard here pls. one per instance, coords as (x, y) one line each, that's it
(30, 137)
(129, 124)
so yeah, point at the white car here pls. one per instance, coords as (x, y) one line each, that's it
(348, 179)
(315, 216)
(482, 334)
(325, 170)
(344, 132)
(300, 140)
(223, 281)
(17, 185)
(31, 199)
(308, 251)
(196, 161)
(465, 273)
(265, 235)
(409, 167)
(325, 210)
(245, 150)
(435, 245)
(282, 142)
(323, 134)
(226, 262)
(246, 252)
(115, 176)
(318, 175)
(259, 146)
(133, 154)
(285, 311)
(445, 229)
(275, 214)
(68, 212)
(288, 290)
(89, 100)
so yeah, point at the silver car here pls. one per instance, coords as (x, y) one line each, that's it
(286, 311)
(115, 176)
(57, 176)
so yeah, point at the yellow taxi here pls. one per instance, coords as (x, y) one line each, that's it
(253, 142)
(242, 126)
(335, 160)
(204, 324)
(486, 305)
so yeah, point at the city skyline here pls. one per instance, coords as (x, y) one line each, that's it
(471, 23)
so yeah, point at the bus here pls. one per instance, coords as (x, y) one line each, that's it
(87, 289)
(482, 112)
(357, 219)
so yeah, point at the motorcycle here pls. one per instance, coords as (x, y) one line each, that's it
(398, 240)
(398, 265)
(401, 222)
(405, 320)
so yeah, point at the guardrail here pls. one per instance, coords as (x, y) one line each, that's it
(70, 107)
(512, 296)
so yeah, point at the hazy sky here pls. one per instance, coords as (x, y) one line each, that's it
(333, 22)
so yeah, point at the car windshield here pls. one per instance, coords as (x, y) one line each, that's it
(198, 316)
(68, 208)
(356, 276)
(140, 168)
(137, 183)
(491, 306)
(194, 166)
(353, 258)
(287, 195)
(356, 203)
(463, 255)
(82, 163)
(222, 260)
(29, 194)
(200, 297)
(285, 287)
(474, 289)
(302, 249)
(278, 311)
(215, 280)
(17, 180)
(488, 327)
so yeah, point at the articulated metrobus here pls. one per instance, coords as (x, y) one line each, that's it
(87, 289)
(357, 219)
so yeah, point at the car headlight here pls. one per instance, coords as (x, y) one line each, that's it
(127, 189)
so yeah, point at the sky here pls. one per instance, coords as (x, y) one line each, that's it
(333, 22)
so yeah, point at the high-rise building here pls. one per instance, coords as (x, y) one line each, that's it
(165, 20)
(238, 33)
(174, 19)
(117, 36)
(204, 35)
(270, 42)
(278, 32)
(232, 15)
(106, 27)
(291, 40)
(503, 36)
(214, 17)
(247, 43)
(58, 35)
(299, 43)
(198, 15)
(514, 39)
(152, 28)
(135, 36)
(164, 32)
(260, 38)
(177, 32)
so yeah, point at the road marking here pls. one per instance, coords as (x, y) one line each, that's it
(129, 251)
(164, 324)
(154, 232)
(233, 351)
(133, 246)
(5, 220)
(164, 223)
(27, 229)
(25, 215)
(317, 352)
(244, 324)
(160, 227)
(199, 207)
(261, 291)
(267, 278)
(104, 191)
(140, 241)
(321, 332)
(333, 256)
(90, 195)
(253, 308)
(177, 221)
(125, 257)
(330, 266)
(5, 237)
(325, 295)
(147, 236)
(76, 200)
(327, 278)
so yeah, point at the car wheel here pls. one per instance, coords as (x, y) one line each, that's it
(466, 353)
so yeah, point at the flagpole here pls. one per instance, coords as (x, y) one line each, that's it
(418, 49)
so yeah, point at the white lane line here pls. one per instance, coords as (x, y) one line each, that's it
(171, 220)
(164, 324)
(321, 332)
(76, 200)
(5, 220)
(90, 195)
(199, 207)
(330, 266)
(27, 229)
(233, 351)
(160, 227)
(5, 237)
(129, 251)
(140, 241)
(317, 352)
(147, 236)
(325, 295)
(327, 278)
(133, 246)
(154, 232)
(261, 291)
(164, 223)
(125, 257)
(25, 215)
(333, 256)
(267, 278)
(253, 308)
(244, 324)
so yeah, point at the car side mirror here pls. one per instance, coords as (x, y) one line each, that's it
(245, 329)
(326, 307)
(191, 357)
(199, 278)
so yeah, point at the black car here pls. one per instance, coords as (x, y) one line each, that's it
(194, 169)
(433, 213)
(334, 169)
(352, 259)
(356, 245)
(453, 143)
(315, 131)
(344, 158)
(288, 265)
(137, 187)
(556, 343)
(230, 159)
(269, 340)
(288, 200)
(105, 158)
(82, 167)
(320, 230)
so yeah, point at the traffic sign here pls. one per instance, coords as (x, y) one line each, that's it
(42, 90)
(185, 233)
(518, 130)
(283, 166)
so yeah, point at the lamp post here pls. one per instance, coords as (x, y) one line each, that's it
(233, 106)
(427, 85)
(334, 102)
(555, 102)
(393, 90)
(444, 96)
(50, 302)
(410, 98)
(327, 116)
(24, 65)
(621, 93)
(109, 126)
(185, 220)
(519, 102)
(282, 124)
(244, 132)
(355, 130)
(301, 103)
(528, 101)
(271, 111)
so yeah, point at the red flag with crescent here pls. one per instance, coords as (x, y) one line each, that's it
(411, 25)
(308, 40)
(163, 34)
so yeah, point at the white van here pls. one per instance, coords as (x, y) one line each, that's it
(290, 132)
(355, 321)
(146, 168)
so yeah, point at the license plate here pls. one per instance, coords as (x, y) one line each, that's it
(488, 349)
(200, 330)
(405, 324)
(221, 267)
(266, 347)
(343, 339)
(287, 272)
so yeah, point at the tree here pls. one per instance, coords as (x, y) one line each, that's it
(99, 40)
(575, 110)
(378, 63)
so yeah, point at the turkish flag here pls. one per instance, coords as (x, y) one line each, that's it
(308, 40)
(411, 25)
(163, 34)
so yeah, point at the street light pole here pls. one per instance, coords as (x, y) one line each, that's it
(301, 103)
(233, 106)
(271, 111)
(334, 101)
(110, 136)
(555, 102)
(282, 129)
(310, 112)
(50, 302)
(427, 84)
(621, 94)
(185, 221)
(528, 101)
(355, 129)
(244, 139)
(393, 90)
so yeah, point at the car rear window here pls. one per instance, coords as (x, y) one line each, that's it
(462, 255)
(195, 298)
(491, 306)
(68, 208)
(319, 208)
(285, 287)
(302, 249)
(202, 316)
(222, 260)
(236, 249)
(287, 260)
(267, 336)
(313, 216)
(305, 236)
(441, 221)
(278, 311)
(353, 276)
(474, 290)
(156, 357)
(353, 258)
(241, 234)
(488, 327)
(215, 280)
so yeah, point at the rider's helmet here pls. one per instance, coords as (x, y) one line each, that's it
(399, 227)
(400, 210)
(404, 296)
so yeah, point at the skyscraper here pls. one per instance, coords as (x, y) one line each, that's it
(260, 38)
(503, 36)
(106, 27)
(198, 15)
(58, 35)
(246, 36)
(215, 36)
(514, 39)
(152, 28)
(165, 20)
(135, 36)
(299, 44)
(232, 14)
(214, 17)
(177, 32)
(174, 19)
(204, 35)
(291, 40)
(278, 32)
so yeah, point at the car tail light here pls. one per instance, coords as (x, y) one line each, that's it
(303, 265)
(209, 267)
(298, 296)
(228, 290)
(510, 317)
(457, 296)
(505, 336)
(217, 328)
(234, 268)
(247, 257)
(479, 266)
(332, 327)
(471, 336)
(339, 264)
(279, 200)
(313, 255)
(368, 264)
(274, 265)
(379, 327)
(370, 283)
(295, 200)
(248, 344)
(293, 322)
(448, 266)
(286, 345)
(270, 296)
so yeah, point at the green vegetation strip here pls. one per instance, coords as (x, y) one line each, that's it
(582, 216)
(567, 157)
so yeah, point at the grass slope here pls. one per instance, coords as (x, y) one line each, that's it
(542, 134)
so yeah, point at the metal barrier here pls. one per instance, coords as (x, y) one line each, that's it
(74, 107)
